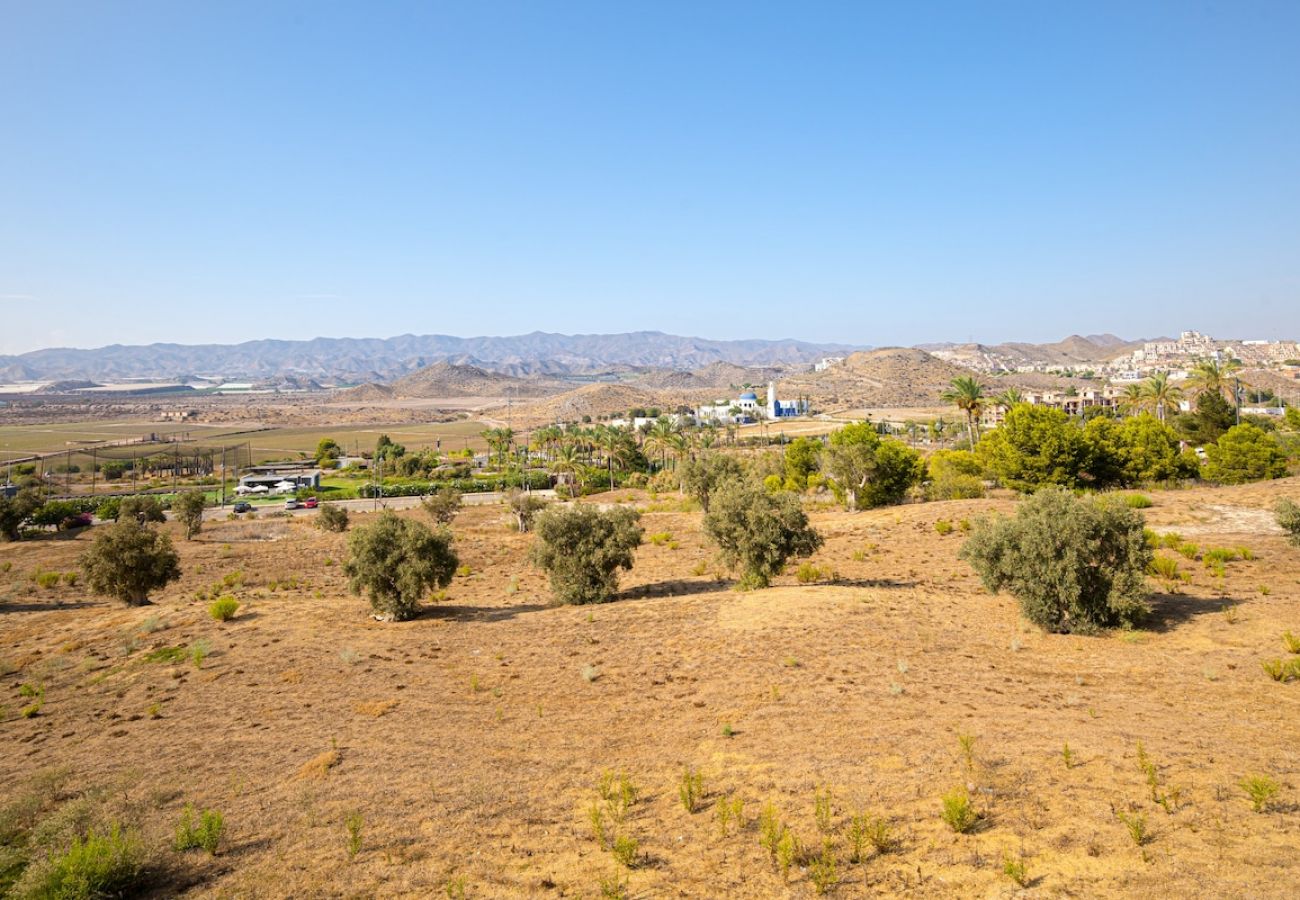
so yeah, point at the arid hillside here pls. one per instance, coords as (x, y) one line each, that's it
(468, 748)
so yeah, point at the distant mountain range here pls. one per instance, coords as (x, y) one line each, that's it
(387, 359)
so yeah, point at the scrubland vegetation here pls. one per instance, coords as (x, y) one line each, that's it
(832, 668)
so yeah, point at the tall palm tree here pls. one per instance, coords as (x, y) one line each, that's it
(967, 394)
(1132, 400)
(566, 460)
(1010, 397)
(1161, 393)
(1209, 376)
(660, 438)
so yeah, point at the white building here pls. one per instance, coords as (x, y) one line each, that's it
(747, 406)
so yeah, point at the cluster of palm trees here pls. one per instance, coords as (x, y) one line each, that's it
(1157, 395)
(571, 450)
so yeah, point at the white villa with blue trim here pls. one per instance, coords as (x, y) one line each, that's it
(747, 407)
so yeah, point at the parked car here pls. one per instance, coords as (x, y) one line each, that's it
(291, 503)
(310, 503)
(242, 506)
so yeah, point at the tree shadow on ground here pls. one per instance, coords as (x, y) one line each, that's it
(478, 613)
(870, 583)
(678, 587)
(1168, 611)
(11, 607)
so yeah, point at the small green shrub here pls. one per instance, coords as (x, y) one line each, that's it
(1261, 790)
(822, 810)
(166, 654)
(354, 824)
(1282, 670)
(1218, 556)
(788, 851)
(596, 818)
(199, 651)
(821, 872)
(1136, 501)
(1136, 824)
(1291, 641)
(770, 829)
(205, 834)
(625, 850)
(690, 790)
(958, 812)
(1188, 550)
(1166, 569)
(659, 538)
(1016, 870)
(223, 609)
(943, 527)
(1171, 540)
(807, 573)
(48, 580)
(110, 864)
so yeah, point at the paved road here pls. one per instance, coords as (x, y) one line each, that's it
(479, 499)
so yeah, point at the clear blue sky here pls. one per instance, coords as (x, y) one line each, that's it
(874, 173)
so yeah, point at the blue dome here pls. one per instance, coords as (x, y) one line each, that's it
(750, 396)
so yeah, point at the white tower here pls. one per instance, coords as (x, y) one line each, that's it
(771, 399)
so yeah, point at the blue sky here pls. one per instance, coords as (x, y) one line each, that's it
(873, 173)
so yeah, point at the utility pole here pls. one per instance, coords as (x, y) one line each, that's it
(1236, 393)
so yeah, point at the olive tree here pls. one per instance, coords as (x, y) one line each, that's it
(705, 474)
(757, 531)
(442, 505)
(1288, 517)
(396, 562)
(583, 548)
(128, 560)
(188, 508)
(140, 508)
(14, 511)
(525, 505)
(1075, 564)
(332, 517)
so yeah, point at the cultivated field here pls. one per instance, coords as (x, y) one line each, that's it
(470, 743)
(266, 443)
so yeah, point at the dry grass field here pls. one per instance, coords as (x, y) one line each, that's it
(466, 748)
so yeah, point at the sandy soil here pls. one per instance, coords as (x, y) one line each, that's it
(472, 740)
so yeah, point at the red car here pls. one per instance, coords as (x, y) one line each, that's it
(310, 503)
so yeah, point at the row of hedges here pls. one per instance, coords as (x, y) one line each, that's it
(535, 481)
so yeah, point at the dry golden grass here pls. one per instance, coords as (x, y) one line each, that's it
(860, 687)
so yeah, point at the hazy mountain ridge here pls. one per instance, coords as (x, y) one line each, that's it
(386, 359)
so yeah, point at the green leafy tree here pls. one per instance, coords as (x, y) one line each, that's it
(954, 475)
(1288, 517)
(1212, 417)
(757, 532)
(801, 458)
(525, 505)
(188, 509)
(1149, 452)
(1035, 446)
(850, 462)
(332, 517)
(396, 562)
(702, 476)
(1074, 564)
(385, 449)
(898, 468)
(328, 451)
(442, 505)
(15, 510)
(1244, 453)
(128, 560)
(583, 548)
(141, 508)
